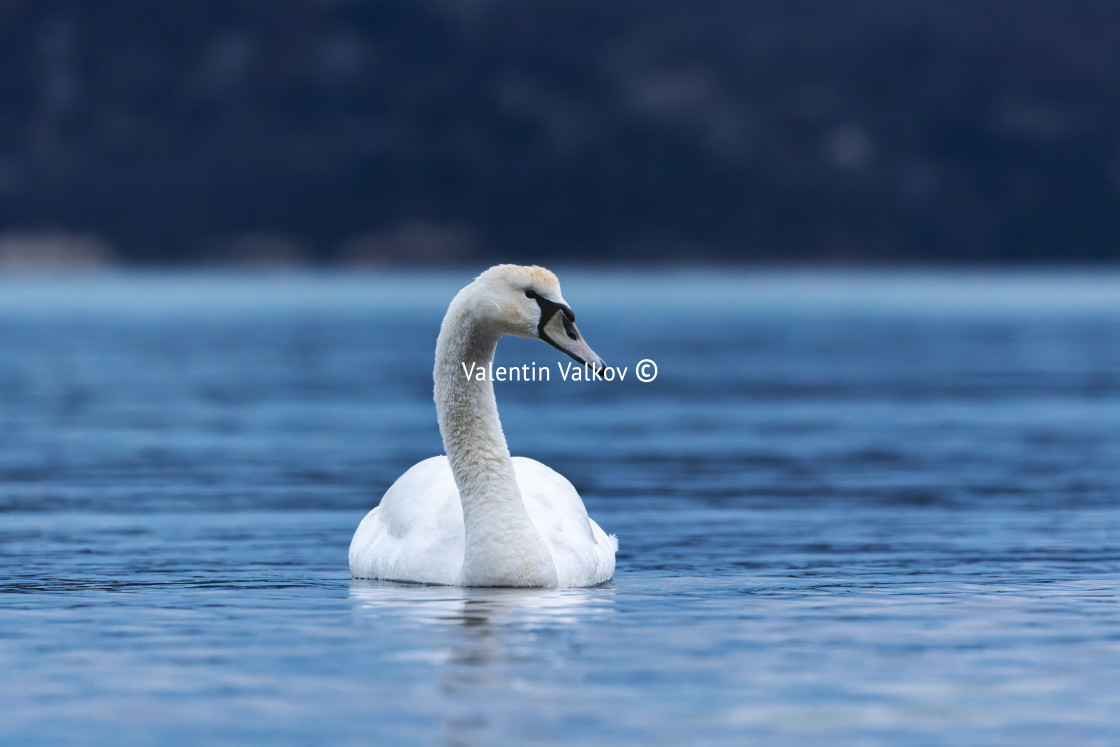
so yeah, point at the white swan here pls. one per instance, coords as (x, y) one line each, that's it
(478, 517)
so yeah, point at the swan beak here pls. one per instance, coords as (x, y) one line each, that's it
(561, 332)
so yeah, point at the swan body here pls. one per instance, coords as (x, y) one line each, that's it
(479, 517)
(416, 534)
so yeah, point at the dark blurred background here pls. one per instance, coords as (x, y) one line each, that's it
(339, 131)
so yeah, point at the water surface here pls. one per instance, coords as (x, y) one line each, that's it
(881, 508)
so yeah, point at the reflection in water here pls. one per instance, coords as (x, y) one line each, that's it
(480, 607)
(484, 641)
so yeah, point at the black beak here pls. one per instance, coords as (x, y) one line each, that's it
(558, 328)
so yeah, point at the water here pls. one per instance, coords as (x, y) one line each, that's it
(878, 508)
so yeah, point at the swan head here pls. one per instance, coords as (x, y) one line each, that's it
(526, 302)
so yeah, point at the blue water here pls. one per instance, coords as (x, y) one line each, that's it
(874, 508)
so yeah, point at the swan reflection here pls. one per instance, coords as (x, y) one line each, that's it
(484, 643)
(480, 607)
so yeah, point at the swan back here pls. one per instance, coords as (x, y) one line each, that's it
(416, 533)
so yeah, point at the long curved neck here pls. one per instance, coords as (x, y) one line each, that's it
(502, 546)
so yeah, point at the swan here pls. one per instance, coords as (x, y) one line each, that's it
(478, 517)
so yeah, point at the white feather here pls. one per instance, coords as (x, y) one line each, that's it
(416, 533)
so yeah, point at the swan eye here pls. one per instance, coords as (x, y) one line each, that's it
(530, 294)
